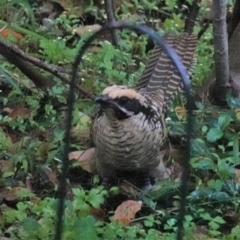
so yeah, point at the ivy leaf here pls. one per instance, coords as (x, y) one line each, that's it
(224, 121)
(214, 134)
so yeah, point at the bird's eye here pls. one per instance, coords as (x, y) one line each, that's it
(123, 100)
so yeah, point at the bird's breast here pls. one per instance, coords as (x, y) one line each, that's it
(131, 144)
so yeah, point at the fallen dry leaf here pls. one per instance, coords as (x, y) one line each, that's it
(126, 211)
(19, 111)
(85, 158)
(8, 33)
(98, 214)
(8, 110)
(6, 166)
(51, 175)
(10, 194)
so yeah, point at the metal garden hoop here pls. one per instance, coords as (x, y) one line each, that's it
(71, 98)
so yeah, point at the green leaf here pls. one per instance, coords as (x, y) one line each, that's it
(188, 218)
(238, 116)
(204, 129)
(78, 192)
(58, 133)
(233, 102)
(199, 105)
(203, 163)
(163, 188)
(225, 170)
(149, 221)
(236, 231)
(214, 134)
(231, 186)
(224, 120)
(199, 148)
(206, 216)
(69, 207)
(220, 196)
(96, 197)
(214, 232)
(213, 225)
(206, 193)
(84, 228)
(216, 184)
(30, 224)
(219, 219)
(148, 200)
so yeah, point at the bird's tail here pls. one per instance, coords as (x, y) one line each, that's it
(160, 77)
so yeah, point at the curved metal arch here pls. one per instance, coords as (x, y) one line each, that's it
(71, 98)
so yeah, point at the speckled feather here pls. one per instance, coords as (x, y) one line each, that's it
(116, 144)
(134, 143)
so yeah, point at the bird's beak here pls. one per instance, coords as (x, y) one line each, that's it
(102, 99)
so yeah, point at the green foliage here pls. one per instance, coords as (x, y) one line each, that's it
(56, 52)
(87, 199)
(204, 57)
(31, 216)
(31, 145)
(16, 11)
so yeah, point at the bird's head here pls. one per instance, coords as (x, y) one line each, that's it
(121, 102)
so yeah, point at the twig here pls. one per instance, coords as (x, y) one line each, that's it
(33, 74)
(204, 29)
(111, 19)
(21, 59)
(191, 17)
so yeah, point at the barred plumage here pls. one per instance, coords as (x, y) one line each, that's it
(129, 131)
(160, 76)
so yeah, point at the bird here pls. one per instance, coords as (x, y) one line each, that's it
(129, 130)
